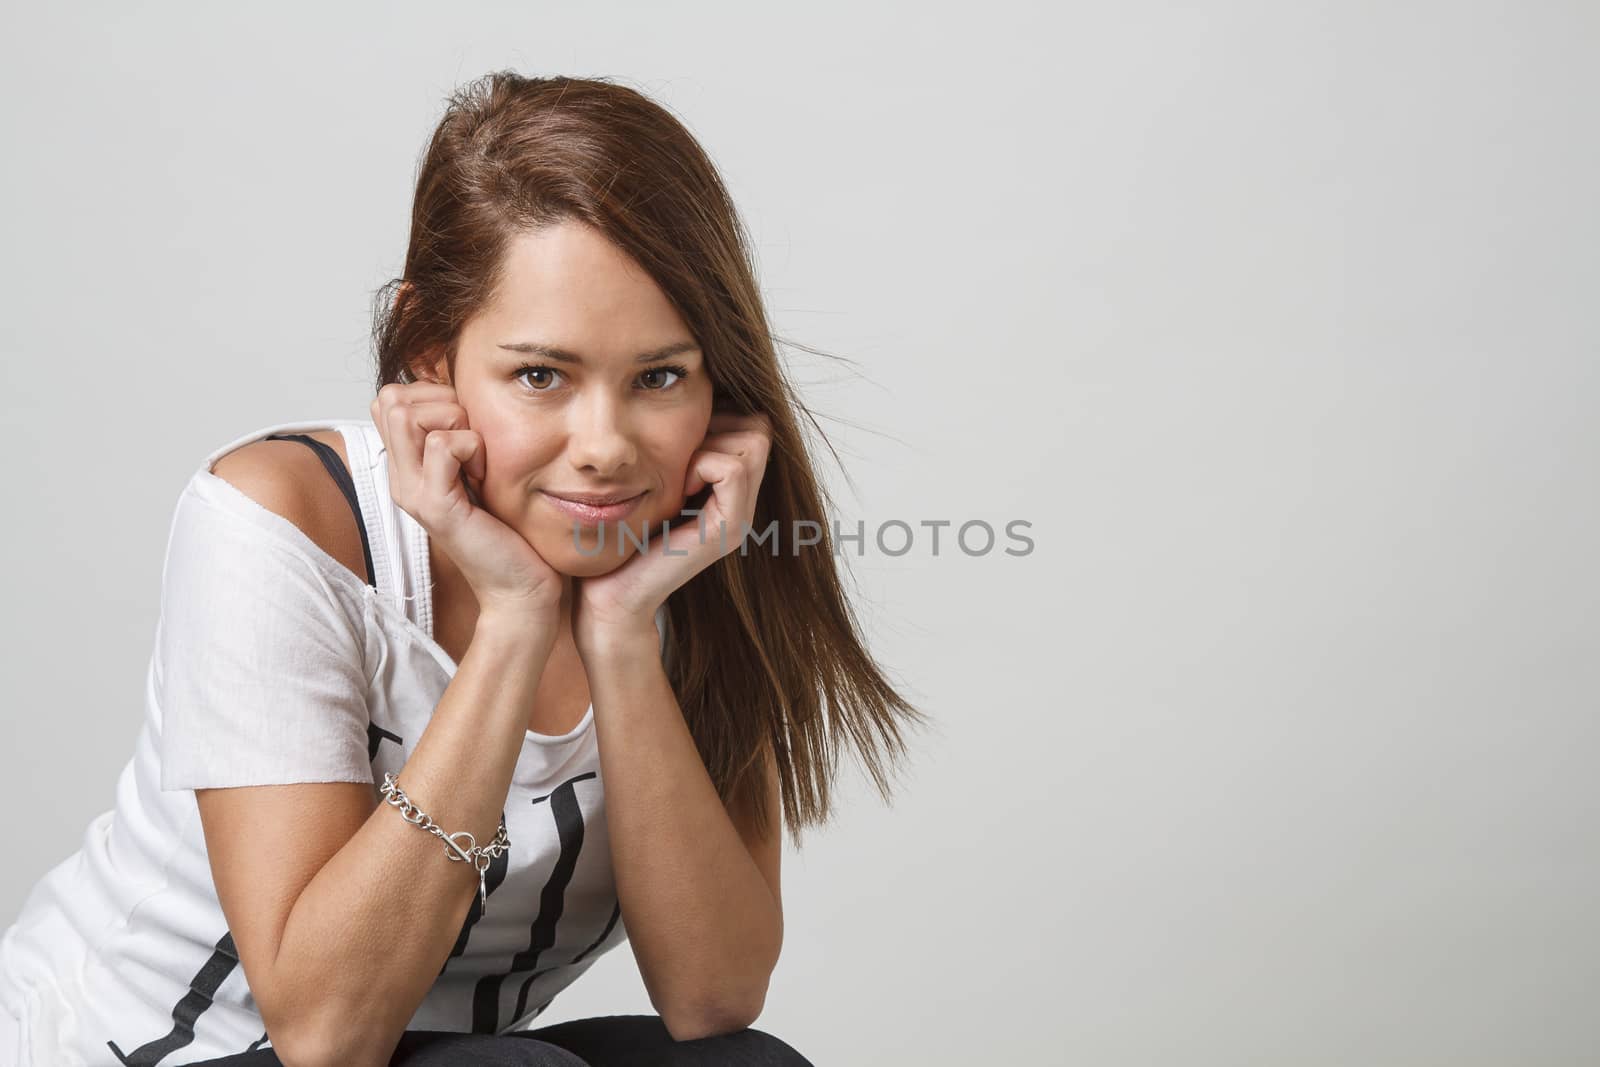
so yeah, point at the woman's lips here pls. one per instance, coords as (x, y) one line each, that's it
(592, 514)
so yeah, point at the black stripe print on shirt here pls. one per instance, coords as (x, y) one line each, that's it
(568, 816)
(495, 874)
(498, 866)
(377, 735)
(527, 984)
(202, 988)
(224, 957)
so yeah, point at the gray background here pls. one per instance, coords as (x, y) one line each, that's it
(1275, 320)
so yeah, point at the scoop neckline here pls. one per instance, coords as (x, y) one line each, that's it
(424, 596)
(337, 571)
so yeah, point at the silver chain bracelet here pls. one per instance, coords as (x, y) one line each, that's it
(475, 854)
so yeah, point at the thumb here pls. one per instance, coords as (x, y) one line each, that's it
(477, 463)
(694, 482)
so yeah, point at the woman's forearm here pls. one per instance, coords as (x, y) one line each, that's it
(701, 919)
(370, 932)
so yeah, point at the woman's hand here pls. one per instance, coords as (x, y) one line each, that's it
(622, 604)
(436, 471)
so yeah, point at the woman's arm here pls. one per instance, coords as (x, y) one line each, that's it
(698, 887)
(342, 912)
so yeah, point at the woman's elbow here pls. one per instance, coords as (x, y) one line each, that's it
(314, 1041)
(716, 1019)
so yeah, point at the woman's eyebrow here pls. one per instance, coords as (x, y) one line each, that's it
(562, 355)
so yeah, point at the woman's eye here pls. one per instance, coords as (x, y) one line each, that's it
(677, 370)
(678, 375)
(524, 372)
(536, 377)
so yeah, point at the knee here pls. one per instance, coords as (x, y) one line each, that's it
(451, 1049)
(770, 1051)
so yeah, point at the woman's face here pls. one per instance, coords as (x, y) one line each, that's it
(581, 378)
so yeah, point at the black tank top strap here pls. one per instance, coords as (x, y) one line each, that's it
(330, 460)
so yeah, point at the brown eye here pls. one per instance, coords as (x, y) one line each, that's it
(533, 369)
(679, 374)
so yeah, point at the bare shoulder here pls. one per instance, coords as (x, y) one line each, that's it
(288, 479)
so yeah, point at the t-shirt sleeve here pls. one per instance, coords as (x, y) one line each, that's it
(259, 672)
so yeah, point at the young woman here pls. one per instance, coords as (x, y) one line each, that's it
(449, 702)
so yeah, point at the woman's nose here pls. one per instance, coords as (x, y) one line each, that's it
(598, 439)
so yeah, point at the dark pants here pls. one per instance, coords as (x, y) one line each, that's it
(600, 1041)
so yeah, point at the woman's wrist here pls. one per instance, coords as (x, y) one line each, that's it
(614, 642)
(509, 632)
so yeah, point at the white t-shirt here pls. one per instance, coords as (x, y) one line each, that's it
(274, 663)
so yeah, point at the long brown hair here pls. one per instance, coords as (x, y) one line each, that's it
(762, 648)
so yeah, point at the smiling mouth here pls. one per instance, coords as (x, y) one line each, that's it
(589, 515)
(598, 500)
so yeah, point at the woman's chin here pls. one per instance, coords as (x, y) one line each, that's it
(574, 564)
(589, 555)
(589, 568)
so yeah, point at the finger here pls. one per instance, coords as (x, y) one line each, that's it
(738, 443)
(445, 454)
(726, 420)
(395, 394)
(722, 471)
(409, 426)
(745, 448)
(692, 482)
(728, 478)
(427, 390)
